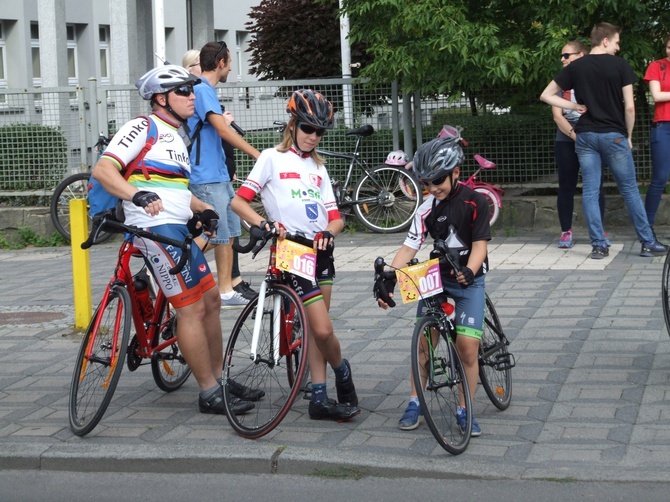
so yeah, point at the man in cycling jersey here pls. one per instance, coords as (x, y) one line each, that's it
(458, 215)
(163, 204)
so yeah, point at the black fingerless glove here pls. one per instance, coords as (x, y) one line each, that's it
(384, 288)
(210, 220)
(326, 235)
(143, 199)
(469, 276)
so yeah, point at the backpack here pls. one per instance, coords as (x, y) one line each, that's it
(100, 199)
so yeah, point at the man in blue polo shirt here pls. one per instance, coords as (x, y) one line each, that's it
(210, 181)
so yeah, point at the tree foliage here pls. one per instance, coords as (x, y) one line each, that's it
(512, 46)
(297, 39)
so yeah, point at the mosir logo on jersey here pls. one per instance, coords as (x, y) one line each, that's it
(315, 180)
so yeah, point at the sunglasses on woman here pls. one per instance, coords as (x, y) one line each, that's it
(566, 55)
(308, 129)
(436, 182)
(183, 90)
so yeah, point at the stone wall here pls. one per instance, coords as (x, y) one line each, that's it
(35, 218)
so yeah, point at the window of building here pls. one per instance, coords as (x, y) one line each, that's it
(240, 39)
(72, 66)
(103, 50)
(35, 53)
(3, 69)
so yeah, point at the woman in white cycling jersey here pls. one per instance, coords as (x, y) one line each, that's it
(298, 198)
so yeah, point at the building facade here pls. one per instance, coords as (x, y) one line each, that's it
(55, 43)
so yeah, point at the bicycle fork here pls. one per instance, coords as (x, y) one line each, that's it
(275, 326)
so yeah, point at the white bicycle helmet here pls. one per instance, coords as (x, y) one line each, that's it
(162, 79)
(397, 158)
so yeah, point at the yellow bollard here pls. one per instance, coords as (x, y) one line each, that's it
(81, 269)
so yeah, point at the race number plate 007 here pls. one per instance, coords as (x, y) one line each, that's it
(419, 281)
(296, 259)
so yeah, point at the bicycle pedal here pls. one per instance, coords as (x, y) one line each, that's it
(504, 362)
(307, 391)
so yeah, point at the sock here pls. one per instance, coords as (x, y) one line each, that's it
(207, 393)
(342, 373)
(227, 296)
(319, 393)
(414, 400)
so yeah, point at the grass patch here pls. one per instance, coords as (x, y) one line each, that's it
(26, 237)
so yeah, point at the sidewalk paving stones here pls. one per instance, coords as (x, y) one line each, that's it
(590, 385)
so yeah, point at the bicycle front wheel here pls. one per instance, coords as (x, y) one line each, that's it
(72, 187)
(280, 362)
(495, 361)
(665, 292)
(439, 379)
(100, 361)
(494, 203)
(168, 366)
(386, 199)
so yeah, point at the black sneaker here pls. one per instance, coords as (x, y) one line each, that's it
(243, 392)
(346, 392)
(244, 289)
(598, 253)
(653, 249)
(332, 410)
(215, 405)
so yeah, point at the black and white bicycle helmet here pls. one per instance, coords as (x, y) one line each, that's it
(311, 108)
(437, 158)
(162, 79)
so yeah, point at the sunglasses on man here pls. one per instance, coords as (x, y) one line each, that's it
(183, 90)
(566, 55)
(308, 129)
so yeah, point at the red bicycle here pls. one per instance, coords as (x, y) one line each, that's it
(126, 302)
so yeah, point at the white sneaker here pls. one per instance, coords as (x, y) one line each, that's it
(236, 300)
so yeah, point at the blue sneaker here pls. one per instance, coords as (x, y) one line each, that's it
(462, 418)
(411, 419)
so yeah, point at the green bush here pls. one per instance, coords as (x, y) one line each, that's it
(32, 157)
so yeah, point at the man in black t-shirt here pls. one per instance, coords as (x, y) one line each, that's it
(603, 85)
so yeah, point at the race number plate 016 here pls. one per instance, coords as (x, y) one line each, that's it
(296, 259)
(419, 281)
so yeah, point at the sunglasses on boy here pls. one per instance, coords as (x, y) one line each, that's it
(436, 182)
(308, 129)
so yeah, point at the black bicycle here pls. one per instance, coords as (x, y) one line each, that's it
(74, 186)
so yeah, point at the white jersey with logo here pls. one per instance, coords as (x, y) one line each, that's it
(295, 191)
(168, 166)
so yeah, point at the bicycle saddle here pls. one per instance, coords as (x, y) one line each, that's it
(486, 164)
(362, 131)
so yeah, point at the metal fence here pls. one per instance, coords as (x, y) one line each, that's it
(46, 134)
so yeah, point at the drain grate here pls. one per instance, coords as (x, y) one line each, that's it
(11, 318)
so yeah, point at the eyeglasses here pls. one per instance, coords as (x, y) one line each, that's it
(566, 55)
(183, 90)
(222, 47)
(194, 64)
(308, 129)
(436, 182)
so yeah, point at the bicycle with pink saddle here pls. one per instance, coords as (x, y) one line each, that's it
(493, 193)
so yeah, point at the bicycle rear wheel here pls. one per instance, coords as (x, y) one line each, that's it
(386, 199)
(282, 309)
(168, 366)
(494, 203)
(440, 380)
(72, 187)
(495, 362)
(100, 361)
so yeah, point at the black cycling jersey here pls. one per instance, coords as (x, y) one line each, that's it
(466, 210)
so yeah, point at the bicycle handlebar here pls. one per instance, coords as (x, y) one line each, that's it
(258, 238)
(106, 221)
